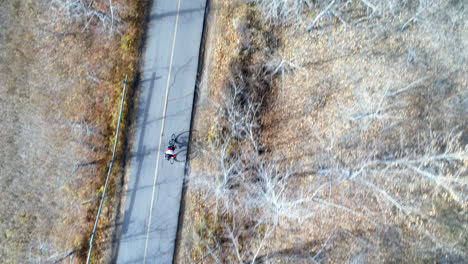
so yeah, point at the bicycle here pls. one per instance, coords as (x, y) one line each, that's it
(172, 141)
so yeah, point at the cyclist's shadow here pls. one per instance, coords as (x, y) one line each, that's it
(182, 141)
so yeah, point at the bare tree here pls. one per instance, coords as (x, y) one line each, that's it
(281, 11)
(82, 11)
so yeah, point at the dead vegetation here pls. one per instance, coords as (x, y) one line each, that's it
(61, 63)
(331, 131)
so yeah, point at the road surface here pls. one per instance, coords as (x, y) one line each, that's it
(154, 191)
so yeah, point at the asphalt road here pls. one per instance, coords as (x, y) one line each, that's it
(154, 191)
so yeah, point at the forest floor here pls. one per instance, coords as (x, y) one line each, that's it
(333, 132)
(61, 65)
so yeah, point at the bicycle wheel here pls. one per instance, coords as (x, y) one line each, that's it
(173, 140)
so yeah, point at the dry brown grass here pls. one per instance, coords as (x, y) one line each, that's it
(372, 117)
(59, 105)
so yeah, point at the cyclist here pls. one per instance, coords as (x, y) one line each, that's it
(170, 152)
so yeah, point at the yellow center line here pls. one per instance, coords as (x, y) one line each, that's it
(162, 130)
